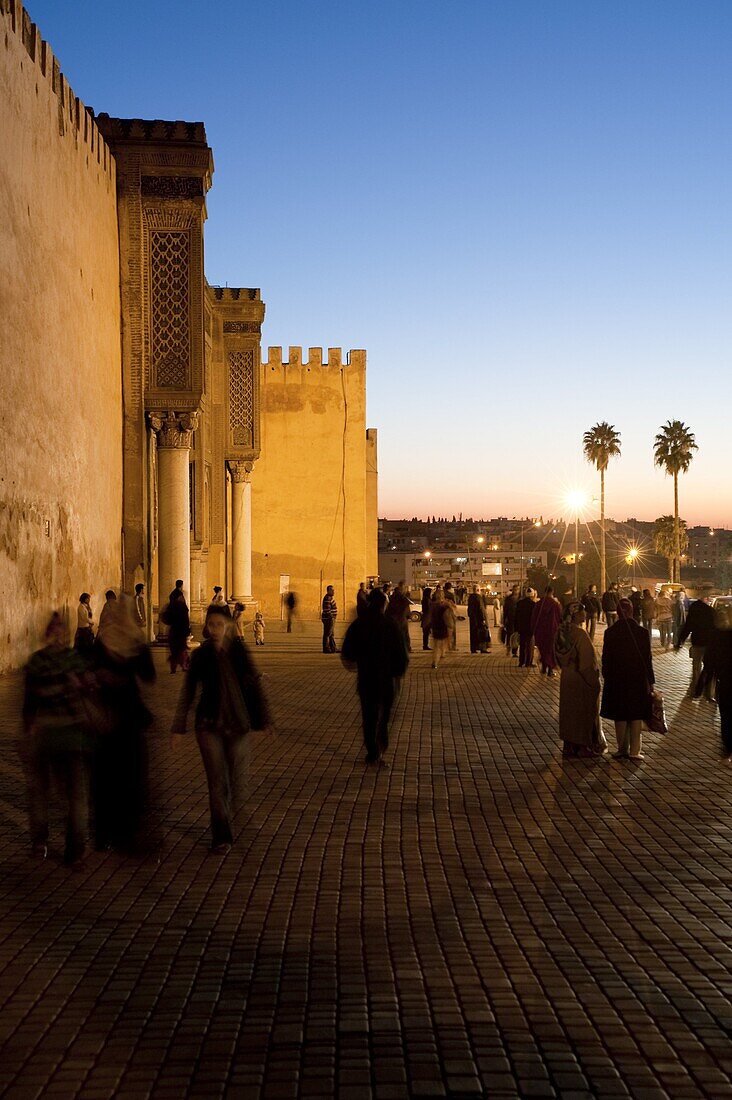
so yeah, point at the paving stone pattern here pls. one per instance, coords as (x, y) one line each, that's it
(483, 918)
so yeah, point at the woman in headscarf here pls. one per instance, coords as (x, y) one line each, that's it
(627, 671)
(545, 620)
(119, 763)
(579, 687)
(178, 622)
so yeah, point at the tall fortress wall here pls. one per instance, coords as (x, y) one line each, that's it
(60, 419)
(309, 501)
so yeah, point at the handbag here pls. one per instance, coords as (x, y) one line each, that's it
(657, 721)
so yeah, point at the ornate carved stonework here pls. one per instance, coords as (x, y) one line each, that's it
(249, 327)
(241, 471)
(170, 338)
(172, 187)
(174, 429)
(241, 397)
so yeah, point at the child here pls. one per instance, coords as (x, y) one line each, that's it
(259, 628)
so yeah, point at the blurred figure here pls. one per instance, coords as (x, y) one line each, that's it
(648, 611)
(362, 599)
(545, 619)
(398, 609)
(509, 621)
(679, 615)
(718, 666)
(664, 617)
(120, 761)
(140, 610)
(698, 627)
(56, 744)
(290, 609)
(610, 600)
(328, 615)
(231, 703)
(593, 609)
(238, 619)
(258, 628)
(627, 671)
(522, 620)
(218, 599)
(636, 600)
(374, 645)
(442, 626)
(580, 728)
(84, 637)
(425, 624)
(448, 594)
(477, 622)
(110, 599)
(178, 622)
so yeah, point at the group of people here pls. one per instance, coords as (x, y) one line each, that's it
(85, 719)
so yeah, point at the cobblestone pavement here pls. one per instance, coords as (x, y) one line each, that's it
(483, 918)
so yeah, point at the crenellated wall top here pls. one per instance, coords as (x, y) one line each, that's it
(73, 116)
(355, 358)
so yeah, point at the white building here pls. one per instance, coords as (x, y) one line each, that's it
(496, 569)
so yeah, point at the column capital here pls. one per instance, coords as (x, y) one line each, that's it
(174, 429)
(240, 470)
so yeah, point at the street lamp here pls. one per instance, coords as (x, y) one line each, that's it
(631, 558)
(576, 500)
(534, 523)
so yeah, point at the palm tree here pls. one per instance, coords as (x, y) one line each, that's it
(673, 450)
(601, 444)
(664, 539)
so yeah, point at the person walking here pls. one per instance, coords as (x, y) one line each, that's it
(477, 622)
(362, 599)
(398, 609)
(374, 646)
(610, 600)
(119, 768)
(56, 742)
(698, 627)
(593, 610)
(84, 637)
(231, 703)
(328, 614)
(718, 666)
(238, 618)
(580, 728)
(679, 615)
(449, 596)
(627, 671)
(509, 620)
(426, 603)
(523, 618)
(140, 611)
(110, 599)
(664, 617)
(290, 609)
(258, 628)
(442, 625)
(178, 621)
(636, 600)
(545, 619)
(218, 599)
(648, 611)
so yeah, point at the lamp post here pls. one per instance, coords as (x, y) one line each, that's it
(576, 501)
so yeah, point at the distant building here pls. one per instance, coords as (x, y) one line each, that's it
(495, 569)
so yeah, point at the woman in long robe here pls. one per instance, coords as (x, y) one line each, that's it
(545, 622)
(580, 728)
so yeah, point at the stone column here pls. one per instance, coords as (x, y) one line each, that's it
(241, 531)
(174, 434)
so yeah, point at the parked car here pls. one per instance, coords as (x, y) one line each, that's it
(415, 612)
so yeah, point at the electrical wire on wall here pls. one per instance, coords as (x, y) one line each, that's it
(341, 497)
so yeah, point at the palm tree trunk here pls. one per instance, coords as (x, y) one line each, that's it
(677, 539)
(603, 571)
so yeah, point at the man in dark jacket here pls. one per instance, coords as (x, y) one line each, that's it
(627, 671)
(610, 601)
(426, 601)
(522, 620)
(699, 627)
(509, 615)
(374, 645)
(593, 609)
(479, 634)
(398, 609)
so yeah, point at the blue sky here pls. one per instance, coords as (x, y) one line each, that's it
(521, 210)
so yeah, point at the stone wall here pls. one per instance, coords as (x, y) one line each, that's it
(60, 389)
(309, 486)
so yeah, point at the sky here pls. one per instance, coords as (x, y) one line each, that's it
(520, 209)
